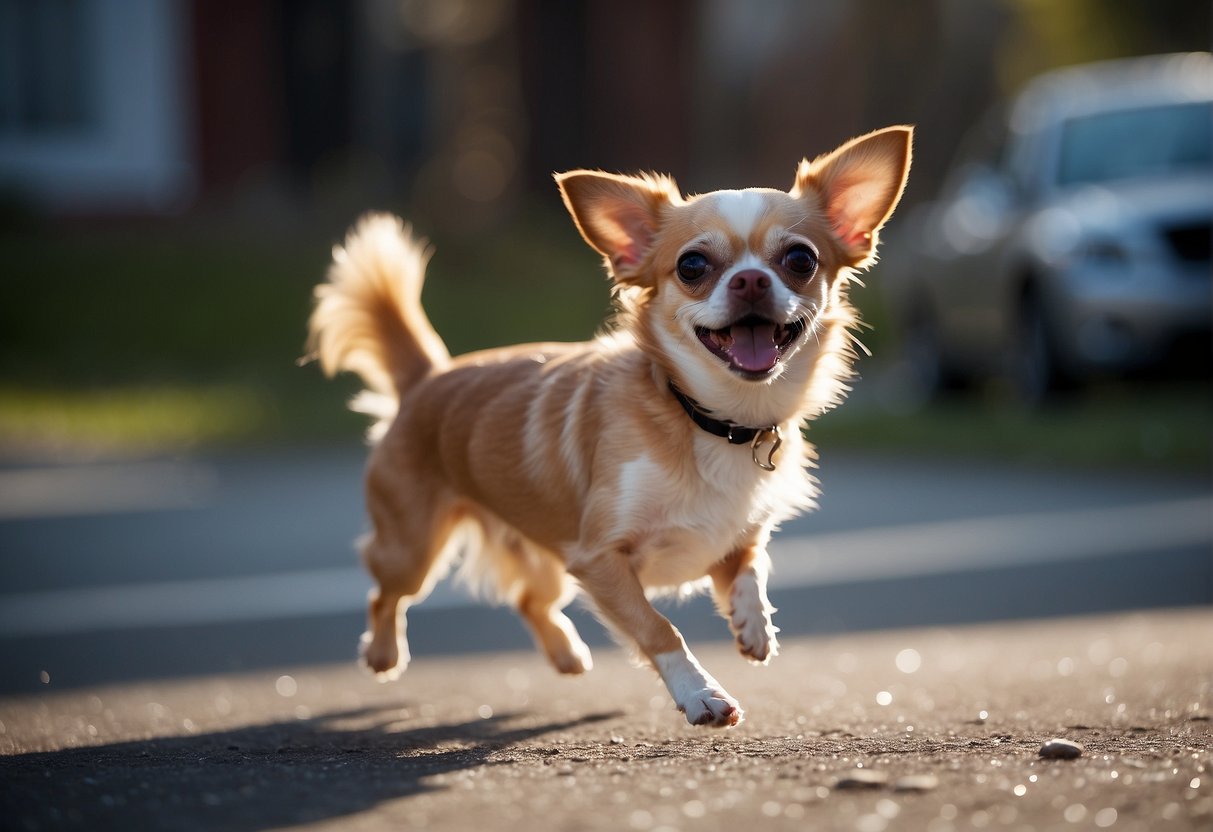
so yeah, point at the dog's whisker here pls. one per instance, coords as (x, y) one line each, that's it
(689, 309)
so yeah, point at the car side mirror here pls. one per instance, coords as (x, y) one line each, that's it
(979, 209)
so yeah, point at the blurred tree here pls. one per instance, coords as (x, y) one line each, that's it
(1049, 34)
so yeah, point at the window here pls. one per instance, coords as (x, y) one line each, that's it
(1149, 141)
(44, 74)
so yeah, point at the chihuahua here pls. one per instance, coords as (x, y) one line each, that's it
(657, 457)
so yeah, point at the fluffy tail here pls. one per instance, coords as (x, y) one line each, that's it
(368, 317)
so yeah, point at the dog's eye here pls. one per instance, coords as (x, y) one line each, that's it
(692, 266)
(800, 259)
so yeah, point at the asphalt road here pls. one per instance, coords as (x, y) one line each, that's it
(176, 643)
(918, 729)
(144, 569)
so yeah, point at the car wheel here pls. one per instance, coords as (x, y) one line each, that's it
(922, 351)
(1036, 368)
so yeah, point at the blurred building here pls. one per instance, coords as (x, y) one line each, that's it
(92, 116)
(456, 108)
(150, 106)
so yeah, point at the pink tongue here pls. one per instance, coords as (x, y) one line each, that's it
(754, 347)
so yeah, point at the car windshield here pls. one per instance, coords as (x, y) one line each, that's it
(1144, 142)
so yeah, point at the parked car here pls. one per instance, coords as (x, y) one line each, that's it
(1072, 236)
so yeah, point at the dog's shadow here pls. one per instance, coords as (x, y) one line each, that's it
(258, 777)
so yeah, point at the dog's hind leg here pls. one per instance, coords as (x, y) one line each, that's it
(547, 589)
(404, 554)
(534, 582)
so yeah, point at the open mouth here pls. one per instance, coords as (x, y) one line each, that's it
(752, 346)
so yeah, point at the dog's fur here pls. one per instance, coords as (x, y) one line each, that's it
(574, 463)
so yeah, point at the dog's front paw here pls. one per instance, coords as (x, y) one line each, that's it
(712, 707)
(755, 636)
(697, 694)
(750, 621)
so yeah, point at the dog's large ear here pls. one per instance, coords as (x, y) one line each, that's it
(618, 215)
(859, 185)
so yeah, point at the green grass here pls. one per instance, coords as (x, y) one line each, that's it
(1111, 425)
(98, 309)
(174, 337)
(130, 418)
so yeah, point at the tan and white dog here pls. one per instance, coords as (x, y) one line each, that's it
(660, 454)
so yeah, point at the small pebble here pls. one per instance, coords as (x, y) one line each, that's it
(862, 778)
(915, 783)
(616, 739)
(1060, 749)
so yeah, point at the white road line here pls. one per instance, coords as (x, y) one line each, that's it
(69, 490)
(169, 603)
(990, 542)
(821, 560)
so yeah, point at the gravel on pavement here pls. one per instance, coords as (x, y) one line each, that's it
(928, 729)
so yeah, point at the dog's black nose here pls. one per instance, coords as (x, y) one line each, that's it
(750, 285)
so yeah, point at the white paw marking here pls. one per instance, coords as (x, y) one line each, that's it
(750, 620)
(696, 693)
(712, 707)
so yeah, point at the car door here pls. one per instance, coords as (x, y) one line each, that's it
(976, 221)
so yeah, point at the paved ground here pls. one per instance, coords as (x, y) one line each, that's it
(112, 571)
(947, 721)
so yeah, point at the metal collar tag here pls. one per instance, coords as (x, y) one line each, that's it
(760, 439)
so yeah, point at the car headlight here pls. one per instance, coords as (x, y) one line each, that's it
(1102, 252)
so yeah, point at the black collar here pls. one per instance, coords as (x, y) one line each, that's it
(735, 433)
